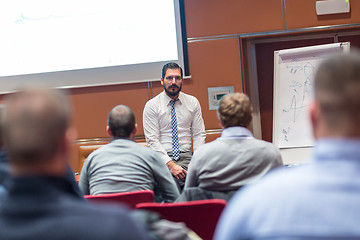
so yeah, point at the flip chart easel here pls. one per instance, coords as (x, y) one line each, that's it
(294, 70)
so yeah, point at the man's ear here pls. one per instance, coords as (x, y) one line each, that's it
(162, 81)
(314, 118)
(70, 136)
(135, 129)
(108, 131)
(221, 124)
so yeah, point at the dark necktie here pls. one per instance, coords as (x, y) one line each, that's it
(174, 132)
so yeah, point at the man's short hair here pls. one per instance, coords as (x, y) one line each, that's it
(337, 89)
(121, 121)
(35, 122)
(171, 65)
(235, 110)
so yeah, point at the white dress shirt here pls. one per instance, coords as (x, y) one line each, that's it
(157, 123)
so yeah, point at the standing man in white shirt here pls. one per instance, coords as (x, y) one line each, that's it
(171, 120)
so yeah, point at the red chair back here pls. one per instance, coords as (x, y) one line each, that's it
(200, 216)
(128, 198)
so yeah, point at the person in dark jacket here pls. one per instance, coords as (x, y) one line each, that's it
(41, 203)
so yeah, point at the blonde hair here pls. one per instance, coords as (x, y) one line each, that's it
(235, 110)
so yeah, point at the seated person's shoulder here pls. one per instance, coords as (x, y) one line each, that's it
(148, 152)
(268, 146)
(97, 151)
(212, 146)
(282, 180)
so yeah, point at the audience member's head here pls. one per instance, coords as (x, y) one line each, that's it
(235, 110)
(121, 122)
(36, 131)
(335, 112)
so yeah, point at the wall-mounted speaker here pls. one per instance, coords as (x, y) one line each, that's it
(332, 7)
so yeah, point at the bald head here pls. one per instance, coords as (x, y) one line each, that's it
(337, 94)
(121, 121)
(35, 122)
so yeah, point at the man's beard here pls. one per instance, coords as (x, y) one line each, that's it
(173, 94)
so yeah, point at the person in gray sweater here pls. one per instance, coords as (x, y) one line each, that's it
(124, 165)
(219, 168)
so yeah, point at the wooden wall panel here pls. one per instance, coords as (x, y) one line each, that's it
(91, 106)
(302, 14)
(214, 17)
(212, 64)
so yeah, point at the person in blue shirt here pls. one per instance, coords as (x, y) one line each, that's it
(320, 199)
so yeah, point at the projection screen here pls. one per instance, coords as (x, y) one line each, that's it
(68, 43)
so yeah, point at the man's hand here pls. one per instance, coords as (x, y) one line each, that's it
(176, 170)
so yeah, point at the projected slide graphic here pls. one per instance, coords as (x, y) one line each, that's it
(44, 36)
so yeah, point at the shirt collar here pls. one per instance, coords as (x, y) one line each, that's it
(236, 132)
(122, 138)
(337, 149)
(167, 98)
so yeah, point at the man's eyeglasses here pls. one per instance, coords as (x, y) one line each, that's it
(170, 78)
